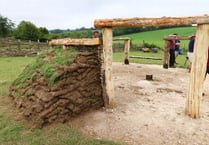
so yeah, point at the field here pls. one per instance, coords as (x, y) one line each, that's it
(156, 37)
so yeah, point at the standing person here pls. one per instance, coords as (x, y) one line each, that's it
(207, 69)
(177, 46)
(95, 34)
(172, 54)
(190, 50)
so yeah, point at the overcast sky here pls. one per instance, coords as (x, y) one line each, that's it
(71, 14)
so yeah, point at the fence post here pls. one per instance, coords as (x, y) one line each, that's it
(198, 70)
(108, 82)
(38, 43)
(18, 43)
(127, 48)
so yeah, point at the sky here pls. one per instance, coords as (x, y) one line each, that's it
(72, 14)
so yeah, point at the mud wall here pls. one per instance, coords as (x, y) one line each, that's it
(77, 89)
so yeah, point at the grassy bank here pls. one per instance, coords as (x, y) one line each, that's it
(15, 131)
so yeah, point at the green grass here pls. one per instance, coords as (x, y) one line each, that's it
(119, 57)
(10, 68)
(156, 37)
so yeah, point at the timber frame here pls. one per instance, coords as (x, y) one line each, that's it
(195, 89)
(126, 48)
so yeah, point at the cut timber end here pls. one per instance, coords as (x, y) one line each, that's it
(76, 42)
(148, 22)
(203, 21)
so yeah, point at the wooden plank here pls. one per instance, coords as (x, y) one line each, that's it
(116, 39)
(172, 37)
(197, 74)
(143, 57)
(150, 22)
(108, 54)
(76, 42)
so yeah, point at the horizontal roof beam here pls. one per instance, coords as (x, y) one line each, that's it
(150, 22)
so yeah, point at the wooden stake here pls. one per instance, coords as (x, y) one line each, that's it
(197, 74)
(107, 47)
(166, 53)
(126, 51)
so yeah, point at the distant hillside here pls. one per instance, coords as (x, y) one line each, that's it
(156, 36)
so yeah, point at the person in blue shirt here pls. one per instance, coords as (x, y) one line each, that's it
(177, 47)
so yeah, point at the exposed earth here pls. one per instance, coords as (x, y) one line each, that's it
(148, 112)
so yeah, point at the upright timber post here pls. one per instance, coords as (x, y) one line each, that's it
(108, 82)
(197, 74)
(127, 48)
(166, 53)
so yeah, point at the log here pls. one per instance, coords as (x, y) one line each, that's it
(116, 39)
(198, 69)
(126, 51)
(150, 22)
(172, 37)
(108, 82)
(143, 57)
(76, 42)
(166, 53)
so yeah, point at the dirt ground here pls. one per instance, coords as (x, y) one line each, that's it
(149, 112)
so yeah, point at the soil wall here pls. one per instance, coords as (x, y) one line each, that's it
(77, 89)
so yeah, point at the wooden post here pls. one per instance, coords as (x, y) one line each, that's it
(126, 50)
(167, 47)
(166, 53)
(64, 47)
(197, 74)
(108, 82)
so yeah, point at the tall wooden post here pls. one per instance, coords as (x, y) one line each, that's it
(108, 82)
(197, 74)
(166, 53)
(126, 50)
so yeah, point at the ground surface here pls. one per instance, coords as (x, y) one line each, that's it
(149, 112)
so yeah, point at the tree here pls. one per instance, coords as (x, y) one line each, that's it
(27, 31)
(6, 26)
(43, 34)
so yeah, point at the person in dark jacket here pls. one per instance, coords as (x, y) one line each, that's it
(190, 50)
(207, 69)
(177, 47)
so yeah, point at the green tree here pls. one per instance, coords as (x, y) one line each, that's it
(6, 26)
(43, 34)
(27, 31)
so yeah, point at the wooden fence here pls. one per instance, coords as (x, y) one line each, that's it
(13, 47)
